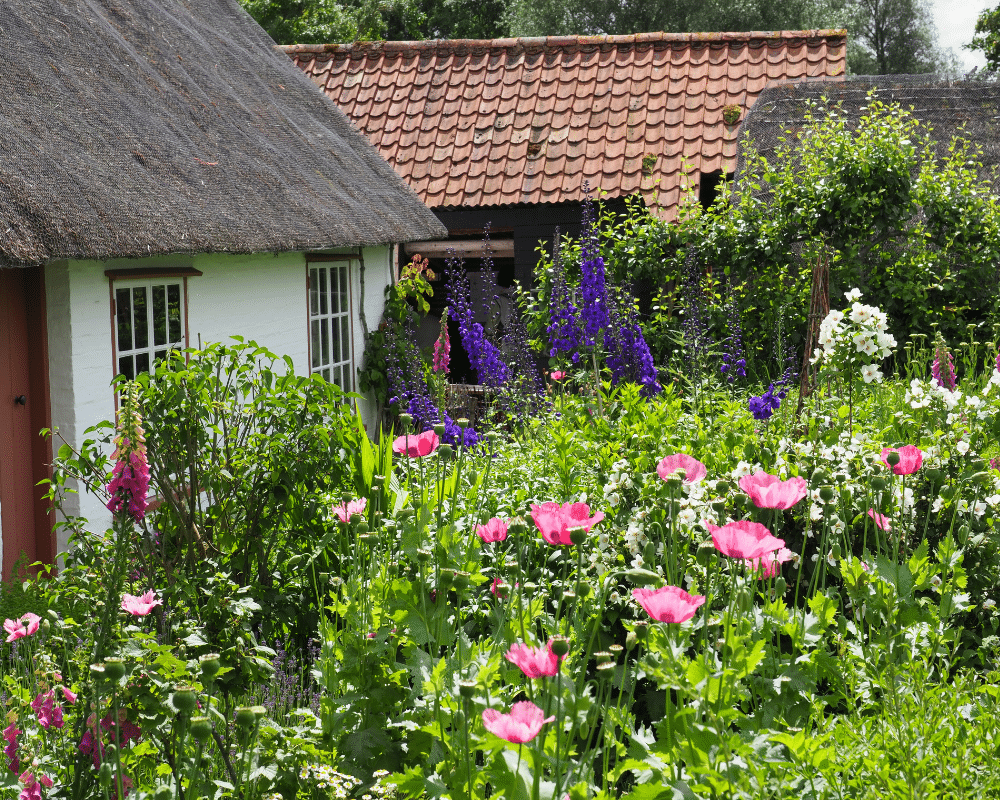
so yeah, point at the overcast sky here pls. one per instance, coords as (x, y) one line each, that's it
(956, 22)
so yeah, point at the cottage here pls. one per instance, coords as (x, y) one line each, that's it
(507, 131)
(167, 177)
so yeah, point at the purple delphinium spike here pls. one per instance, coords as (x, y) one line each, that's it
(763, 407)
(629, 358)
(694, 327)
(564, 322)
(484, 357)
(734, 363)
(593, 290)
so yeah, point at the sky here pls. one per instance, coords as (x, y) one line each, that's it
(956, 23)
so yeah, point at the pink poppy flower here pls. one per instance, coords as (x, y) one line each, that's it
(140, 606)
(557, 375)
(694, 470)
(881, 520)
(769, 491)
(769, 565)
(911, 458)
(520, 726)
(555, 521)
(493, 531)
(534, 662)
(21, 627)
(345, 510)
(744, 539)
(498, 588)
(416, 446)
(669, 603)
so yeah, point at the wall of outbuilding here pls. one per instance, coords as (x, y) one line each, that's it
(262, 297)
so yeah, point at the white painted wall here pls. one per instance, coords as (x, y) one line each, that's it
(261, 297)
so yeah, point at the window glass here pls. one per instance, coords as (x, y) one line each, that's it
(330, 324)
(149, 322)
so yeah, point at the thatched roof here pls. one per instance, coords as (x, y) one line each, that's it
(970, 109)
(144, 127)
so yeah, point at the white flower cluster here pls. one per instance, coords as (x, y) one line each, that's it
(860, 332)
(618, 480)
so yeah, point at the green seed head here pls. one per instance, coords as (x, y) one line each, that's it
(184, 699)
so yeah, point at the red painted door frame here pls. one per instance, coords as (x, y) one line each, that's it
(25, 457)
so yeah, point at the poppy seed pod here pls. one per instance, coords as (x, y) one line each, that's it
(560, 646)
(463, 423)
(826, 494)
(201, 729)
(184, 699)
(439, 429)
(878, 483)
(209, 665)
(406, 419)
(245, 717)
(577, 536)
(467, 689)
(114, 668)
(892, 458)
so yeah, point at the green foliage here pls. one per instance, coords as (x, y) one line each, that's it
(894, 37)
(987, 37)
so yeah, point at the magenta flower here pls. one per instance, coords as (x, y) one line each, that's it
(534, 662)
(70, 696)
(493, 531)
(881, 520)
(694, 470)
(555, 521)
(769, 491)
(130, 478)
(744, 539)
(49, 712)
(32, 788)
(520, 726)
(21, 627)
(442, 347)
(416, 446)
(344, 511)
(669, 603)
(769, 565)
(499, 589)
(140, 606)
(911, 458)
(557, 375)
(11, 733)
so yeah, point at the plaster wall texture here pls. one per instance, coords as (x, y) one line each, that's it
(262, 297)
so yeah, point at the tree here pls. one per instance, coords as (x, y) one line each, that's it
(330, 21)
(987, 37)
(893, 37)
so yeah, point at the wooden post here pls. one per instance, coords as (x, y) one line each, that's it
(819, 307)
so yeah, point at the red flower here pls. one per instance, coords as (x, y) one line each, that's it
(534, 662)
(911, 458)
(694, 470)
(493, 531)
(521, 725)
(881, 520)
(669, 603)
(555, 521)
(744, 539)
(416, 446)
(769, 491)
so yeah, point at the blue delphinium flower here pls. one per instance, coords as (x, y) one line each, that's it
(629, 358)
(734, 364)
(764, 406)
(484, 357)
(593, 290)
(564, 322)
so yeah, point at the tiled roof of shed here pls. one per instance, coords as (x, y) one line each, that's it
(510, 121)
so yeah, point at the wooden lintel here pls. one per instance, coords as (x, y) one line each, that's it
(466, 248)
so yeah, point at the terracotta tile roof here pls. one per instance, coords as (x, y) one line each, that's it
(510, 121)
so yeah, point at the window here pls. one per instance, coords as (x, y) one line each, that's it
(149, 320)
(330, 342)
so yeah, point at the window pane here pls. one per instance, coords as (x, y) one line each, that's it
(326, 374)
(325, 336)
(141, 317)
(334, 274)
(174, 312)
(335, 331)
(161, 354)
(159, 315)
(313, 292)
(343, 290)
(141, 363)
(125, 367)
(345, 339)
(314, 325)
(123, 307)
(322, 291)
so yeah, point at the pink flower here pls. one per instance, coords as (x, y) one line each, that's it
(498, 588)
(769, 565)
(21, 627)
(744, 539)
(345, 510)
(534, 662)
(881, 520)
(521, 725)
(669, 603)
(45, 780)
(769, 491)
(140, 606)
(11, 733)
(557, 375)
(555, 521)
(32, 788)
(415, 446)
(49, 712)
(130, 479)
(911, 458)
(493, 531)
(694, 470)
(442, 347)
(70, 696)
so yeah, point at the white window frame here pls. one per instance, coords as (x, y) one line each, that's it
(330, 307)
(151, 350)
